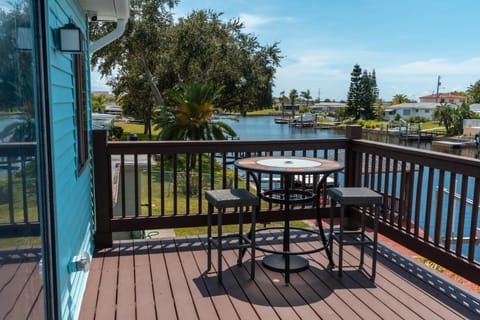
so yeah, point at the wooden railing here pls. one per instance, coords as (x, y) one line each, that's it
(153, 185)
(431, 201)
(164, 182)
(18, 194)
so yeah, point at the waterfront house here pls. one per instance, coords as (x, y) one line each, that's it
(444, 98)
(328, 107)
(60, 186)
(411, 109)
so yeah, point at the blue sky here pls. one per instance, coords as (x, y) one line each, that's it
(409, 43)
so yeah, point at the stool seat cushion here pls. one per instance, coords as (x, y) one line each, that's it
(227, 198)
(355, 196)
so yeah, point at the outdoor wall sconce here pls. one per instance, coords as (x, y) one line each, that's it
(69, 38)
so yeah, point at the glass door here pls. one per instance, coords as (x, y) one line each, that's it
(22, 237)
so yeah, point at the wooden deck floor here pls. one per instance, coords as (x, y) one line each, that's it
(163, 279)
(21, 289)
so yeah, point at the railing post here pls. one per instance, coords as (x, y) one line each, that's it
(352, 166)
(103, 194)
(353, 173)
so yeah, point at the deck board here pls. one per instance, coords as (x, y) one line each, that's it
(89, 303)
(161, 286)
(180, 289)
(172, 272)
(107, 293)
(126, 282)
(200, 291)
(144, 294)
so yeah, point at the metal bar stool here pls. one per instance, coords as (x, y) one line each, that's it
(356, 196)
(231, 198)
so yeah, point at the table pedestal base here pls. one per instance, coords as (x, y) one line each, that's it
(276, 262)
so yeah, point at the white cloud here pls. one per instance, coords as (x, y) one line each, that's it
(434, 66)
(252, 22)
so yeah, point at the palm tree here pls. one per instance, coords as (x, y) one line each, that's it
(399, 99)
(293, 96)
(190, 117)
(445, 114)
(306, 95)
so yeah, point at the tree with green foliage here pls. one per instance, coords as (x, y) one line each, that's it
(461, 113)
(139, 58)
(340, 113)
(459, 93)
(188, 115)
(374, 86)
(293, 96)
(99, 103)
(156, 53)
(379, 111)
(399, 99)
(355, 93)
(209, 49)
(444, 114)
(362, 94)
(306, 96)
(367, 98)
(473, 92)
(283, 97)
(452, 117)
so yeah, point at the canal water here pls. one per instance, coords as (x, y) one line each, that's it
(264, 128)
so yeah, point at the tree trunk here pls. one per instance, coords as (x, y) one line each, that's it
(156, 93)
(147, 128)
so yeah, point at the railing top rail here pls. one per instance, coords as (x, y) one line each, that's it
(145, 147)
(17, 148)
(434, 159)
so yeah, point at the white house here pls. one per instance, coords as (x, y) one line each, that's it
(411, 109)
(475, 107)
(328, 107)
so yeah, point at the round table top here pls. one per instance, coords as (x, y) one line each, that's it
(288, 165)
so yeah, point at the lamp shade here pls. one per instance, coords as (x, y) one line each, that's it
(70, 38)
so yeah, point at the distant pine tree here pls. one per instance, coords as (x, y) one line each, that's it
(375, 91)
(355, 93)
(362, 94)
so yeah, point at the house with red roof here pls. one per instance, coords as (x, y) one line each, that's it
(444, 98)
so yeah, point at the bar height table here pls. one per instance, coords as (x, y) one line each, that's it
(288, 167)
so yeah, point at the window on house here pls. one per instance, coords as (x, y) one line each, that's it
(406, 112)
(81, 112)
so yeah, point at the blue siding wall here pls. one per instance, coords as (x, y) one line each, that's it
(73, 202)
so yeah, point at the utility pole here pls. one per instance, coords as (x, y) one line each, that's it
(438, 88)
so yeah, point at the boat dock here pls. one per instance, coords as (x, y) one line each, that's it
(452, 144)
(419, 135)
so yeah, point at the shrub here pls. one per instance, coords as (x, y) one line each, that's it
(370, 124)
(116, 132)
